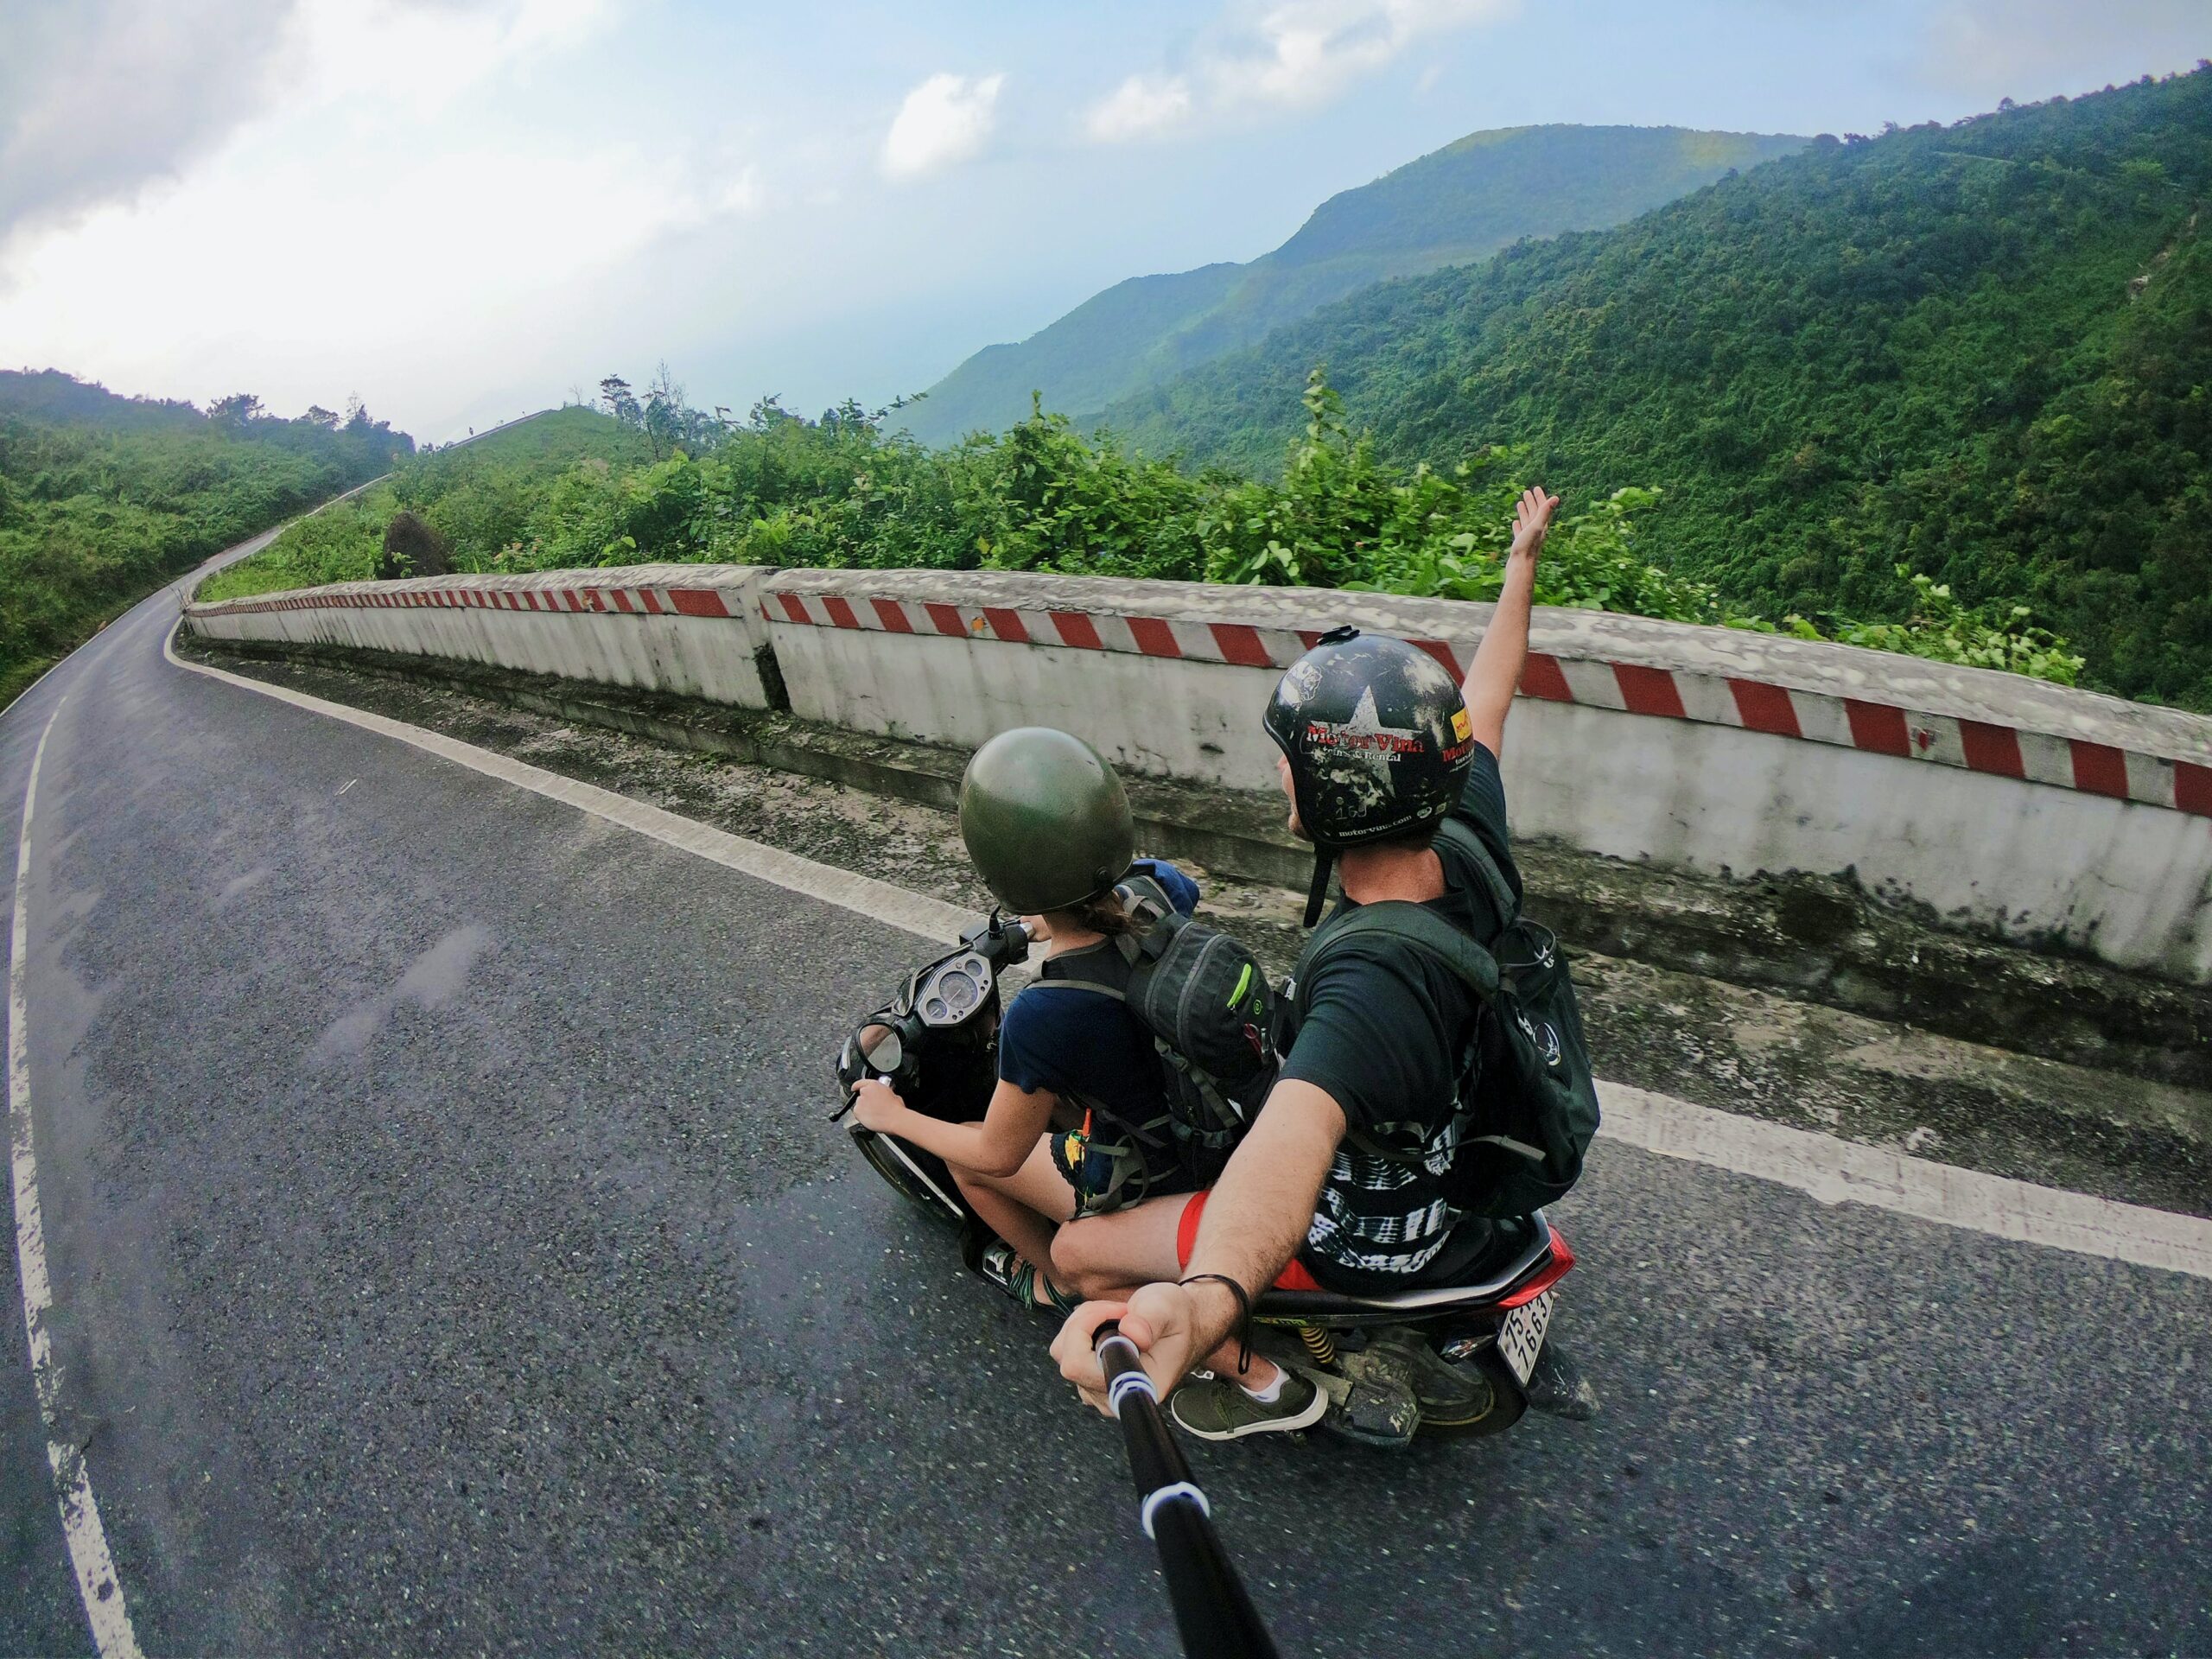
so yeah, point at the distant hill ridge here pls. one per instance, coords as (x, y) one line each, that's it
(1983, 351)
(1452, 207)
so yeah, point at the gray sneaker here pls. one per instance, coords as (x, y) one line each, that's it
(1217, 1408)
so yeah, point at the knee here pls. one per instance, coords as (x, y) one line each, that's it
(1075, 1264)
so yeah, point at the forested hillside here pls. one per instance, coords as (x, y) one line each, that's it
(1981, 352)
(103, 497)
(1461, 203)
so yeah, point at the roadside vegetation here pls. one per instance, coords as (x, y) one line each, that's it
(655, 480)
(102, 498)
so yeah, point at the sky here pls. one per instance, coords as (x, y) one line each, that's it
(459, 209)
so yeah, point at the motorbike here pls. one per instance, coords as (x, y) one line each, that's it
(935, 1042)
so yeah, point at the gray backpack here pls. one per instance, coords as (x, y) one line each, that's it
(1208, 1010)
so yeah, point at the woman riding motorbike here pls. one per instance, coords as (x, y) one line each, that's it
(1078, 1124)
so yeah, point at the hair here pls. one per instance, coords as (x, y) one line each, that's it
(1101, 913)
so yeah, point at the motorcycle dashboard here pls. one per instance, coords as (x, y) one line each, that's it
(953, 989)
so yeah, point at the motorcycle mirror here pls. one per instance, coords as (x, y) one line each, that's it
(881, 1046)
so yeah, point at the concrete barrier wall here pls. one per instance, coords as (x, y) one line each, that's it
(2050, 816)
(689, 630)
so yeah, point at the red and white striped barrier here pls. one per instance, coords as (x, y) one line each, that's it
(1910, 732)
(2006, 804)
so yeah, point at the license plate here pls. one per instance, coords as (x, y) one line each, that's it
(1521, 1338)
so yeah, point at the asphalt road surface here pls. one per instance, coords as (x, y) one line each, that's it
(450, 1253)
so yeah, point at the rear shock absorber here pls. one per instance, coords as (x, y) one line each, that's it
(1319, 1343)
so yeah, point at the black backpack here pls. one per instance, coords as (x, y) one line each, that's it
(1208, 1010)
(1526, 1081)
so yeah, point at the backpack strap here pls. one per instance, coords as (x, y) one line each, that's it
(1419, 926)
(1427, 932)
(1462, 837)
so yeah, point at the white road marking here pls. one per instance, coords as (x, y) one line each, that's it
(1831, 1170)
(879, 900)
(1845, 1171)
(73, 1486)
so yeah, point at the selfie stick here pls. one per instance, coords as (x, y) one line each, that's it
(1216, 1618)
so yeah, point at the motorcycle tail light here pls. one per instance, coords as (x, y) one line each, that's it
(1545, 1277)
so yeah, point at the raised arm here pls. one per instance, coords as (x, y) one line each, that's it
(1495, 674)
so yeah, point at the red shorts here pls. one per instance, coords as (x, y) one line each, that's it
(1294, 1277)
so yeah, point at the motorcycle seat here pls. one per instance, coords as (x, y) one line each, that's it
(1344, 1307)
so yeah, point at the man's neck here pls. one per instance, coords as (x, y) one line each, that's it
(1372, 873)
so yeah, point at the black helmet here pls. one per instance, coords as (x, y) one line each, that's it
(1377, 733)
(1046, 820)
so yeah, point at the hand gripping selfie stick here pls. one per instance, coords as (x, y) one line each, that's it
(1216, 1618)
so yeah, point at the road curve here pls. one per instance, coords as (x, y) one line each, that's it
(449, 1251)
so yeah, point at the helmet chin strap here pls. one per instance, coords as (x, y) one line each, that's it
(1317, 895)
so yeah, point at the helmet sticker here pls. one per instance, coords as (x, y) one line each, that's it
(1363, 737)
(1300, 681)
(1462, 728)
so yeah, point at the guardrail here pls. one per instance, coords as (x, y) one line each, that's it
(2048, 816)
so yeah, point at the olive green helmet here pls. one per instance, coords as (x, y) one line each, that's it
(1045, 819)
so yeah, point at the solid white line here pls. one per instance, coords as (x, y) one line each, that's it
(1845, 1171)
(879, 900)
(1830, 1170)
(73, 1487)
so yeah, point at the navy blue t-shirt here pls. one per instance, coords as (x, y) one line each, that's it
(1085, 1048)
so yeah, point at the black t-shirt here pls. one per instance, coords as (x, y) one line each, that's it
(1386, 1033)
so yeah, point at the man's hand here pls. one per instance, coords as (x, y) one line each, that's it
(1163, 1321)
(878, 1107)
(1532, 522)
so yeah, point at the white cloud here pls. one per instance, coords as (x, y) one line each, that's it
(1138, 107)
(1306, 51)
(1282, 53)
(100, 98)
(945, 120)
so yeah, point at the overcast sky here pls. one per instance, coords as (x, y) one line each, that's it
(461, 208)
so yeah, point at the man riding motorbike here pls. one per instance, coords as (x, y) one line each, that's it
(1341, 1175)
(1077, 1126)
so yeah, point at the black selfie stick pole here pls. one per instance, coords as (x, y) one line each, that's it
(1216, 1618)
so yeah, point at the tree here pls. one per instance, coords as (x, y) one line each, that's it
(318, 416)
(622, 402)
(663, 418)
(236, 411)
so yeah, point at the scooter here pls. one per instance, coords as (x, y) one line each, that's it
(936, 1042)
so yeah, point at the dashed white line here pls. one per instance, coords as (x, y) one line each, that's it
(73, 1487)
(1831, 1170)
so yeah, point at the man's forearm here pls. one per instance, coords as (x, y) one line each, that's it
(1495, 674)
(1260, 1211)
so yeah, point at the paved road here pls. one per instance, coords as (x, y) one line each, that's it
(450, 1253)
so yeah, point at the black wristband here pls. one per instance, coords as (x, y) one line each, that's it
(1244, 1314)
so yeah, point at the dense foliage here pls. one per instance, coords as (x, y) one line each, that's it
(781, 490)
(1461, 203)
(1981, 352)
(103, 497)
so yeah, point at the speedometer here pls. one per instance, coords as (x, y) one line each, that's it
(955, 990)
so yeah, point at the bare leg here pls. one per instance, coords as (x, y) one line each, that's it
(1023, 1208)
(1105, 1259)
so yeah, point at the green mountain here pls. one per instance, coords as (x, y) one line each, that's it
(1462, 203)
(1982, 351)
(104, 497)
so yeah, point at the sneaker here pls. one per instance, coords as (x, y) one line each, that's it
(1217, 1409)
(1450, 1397)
